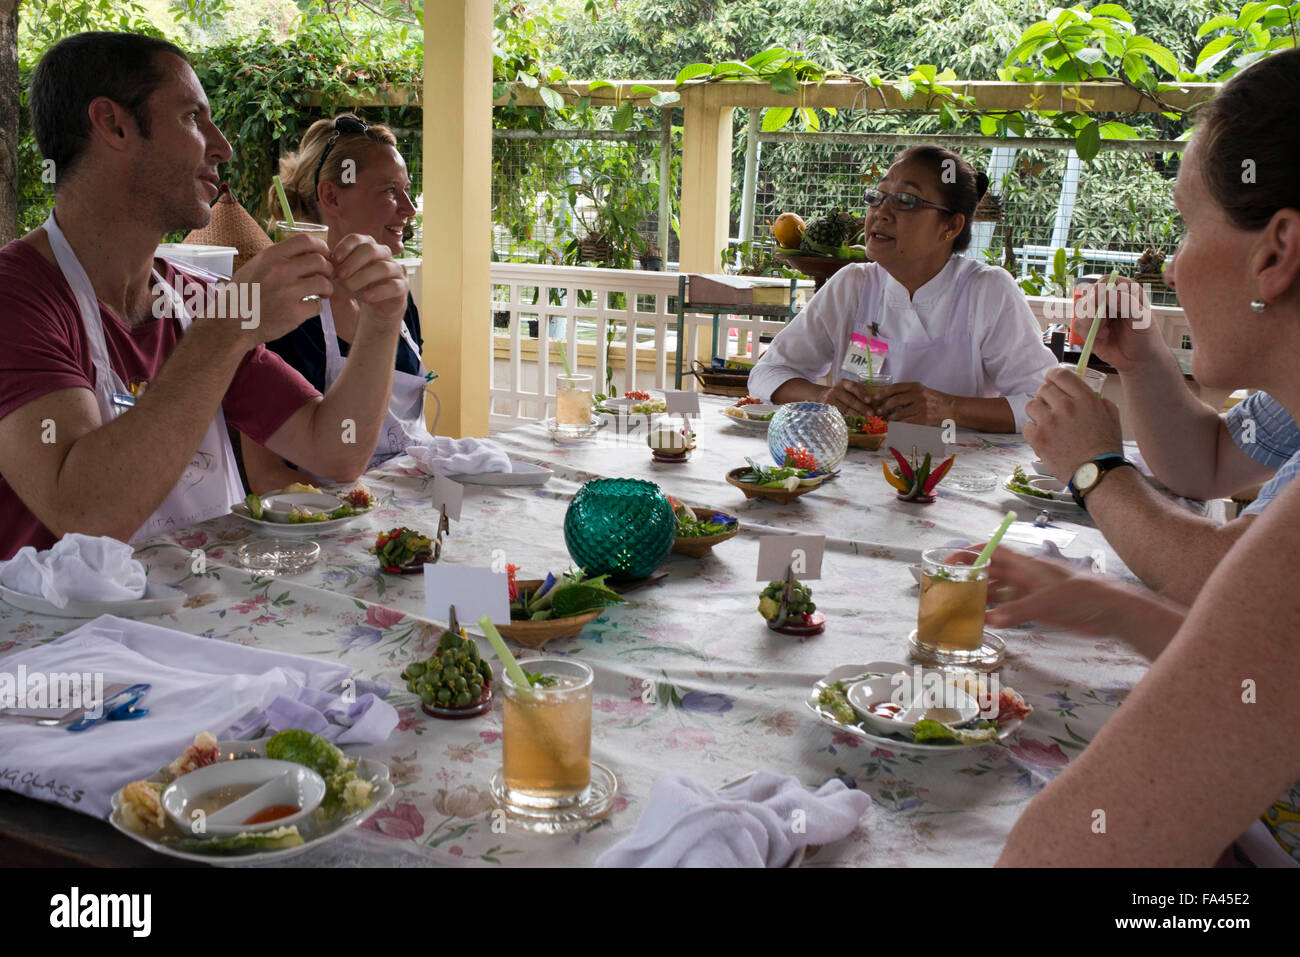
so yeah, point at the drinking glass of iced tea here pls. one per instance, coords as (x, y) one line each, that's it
(875, 385)
(950, 619)
(284, 230)
(547, 781)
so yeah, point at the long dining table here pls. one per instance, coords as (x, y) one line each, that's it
(728, 694)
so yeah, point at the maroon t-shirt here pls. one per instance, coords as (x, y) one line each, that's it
(43, 348)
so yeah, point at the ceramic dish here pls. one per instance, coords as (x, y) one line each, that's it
(781, 496)
(1059, 501)
(314, 832)
(534, 634)
(698, 546)
(867, 440)
(895, 743)
(869, 692)
(296, 529)
(272, 782)
(157, 600)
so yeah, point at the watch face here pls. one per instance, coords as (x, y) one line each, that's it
(1086, 475)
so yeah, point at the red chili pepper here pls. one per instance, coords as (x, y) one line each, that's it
(392, 568)
(937, 475)
(903, 465)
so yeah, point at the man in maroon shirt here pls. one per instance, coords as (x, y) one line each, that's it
(135, 155)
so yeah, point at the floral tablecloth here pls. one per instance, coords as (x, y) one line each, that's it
(687, 677)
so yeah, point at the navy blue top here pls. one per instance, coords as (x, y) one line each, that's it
(304, 347)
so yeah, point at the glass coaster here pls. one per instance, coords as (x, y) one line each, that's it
(275, 556)
(966, 479)
(596, 802)
(984, 658)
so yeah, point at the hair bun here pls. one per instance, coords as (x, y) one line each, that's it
(981, 184)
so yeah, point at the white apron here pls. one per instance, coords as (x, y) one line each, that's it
(210, 484)
(942, 364)
(404, 424)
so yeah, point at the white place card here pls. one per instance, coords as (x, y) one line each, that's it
(448, 494)
(802, 553)
(474, 591)
(682, 403)
(905, 436)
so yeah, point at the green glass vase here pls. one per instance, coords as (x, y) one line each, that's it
(620, 527)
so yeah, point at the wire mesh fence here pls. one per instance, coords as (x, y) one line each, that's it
(570, 196)
(1115, 212)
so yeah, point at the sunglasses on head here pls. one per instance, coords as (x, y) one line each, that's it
(342, 124)
(903, 201)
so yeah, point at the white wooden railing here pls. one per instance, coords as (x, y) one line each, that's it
(643, 350)
(564, 300)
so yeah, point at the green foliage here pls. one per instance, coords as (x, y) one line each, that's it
(1257, 30)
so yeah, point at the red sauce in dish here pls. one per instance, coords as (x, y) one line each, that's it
(273, 813)
(884, 709)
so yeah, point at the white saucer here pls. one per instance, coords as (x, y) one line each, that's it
(157, 600)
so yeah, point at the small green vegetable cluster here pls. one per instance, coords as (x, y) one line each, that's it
(801, 603)
(1020, 483)
(834, 700)
(454, 677)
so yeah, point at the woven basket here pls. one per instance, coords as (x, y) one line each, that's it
(595, 251)
(231, 226)
(721, 383)
(989, 210)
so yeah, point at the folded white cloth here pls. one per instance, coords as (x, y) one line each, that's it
(198, 684)
(76, 568)
(758, 822)
(459, 456)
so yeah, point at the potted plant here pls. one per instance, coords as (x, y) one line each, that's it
(613, 209)
(652, 259)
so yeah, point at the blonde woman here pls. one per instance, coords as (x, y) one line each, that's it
(350, 177)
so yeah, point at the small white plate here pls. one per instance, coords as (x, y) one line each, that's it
(277, 506)
(521, 473)
(1061, 502)
(750, 425)
(157, 600)
(313, 832)
(863, 694)
(897, 745)
(296, 529)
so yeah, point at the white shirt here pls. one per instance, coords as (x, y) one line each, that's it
(1006, 357)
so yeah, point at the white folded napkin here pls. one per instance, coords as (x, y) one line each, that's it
(77, 568)
(758, 822)
(198, 684)
(446, 456)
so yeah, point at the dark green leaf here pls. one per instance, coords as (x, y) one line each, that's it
(785, 82)
(1088, 142)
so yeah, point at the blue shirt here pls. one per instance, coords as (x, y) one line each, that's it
(1276, 442)
(304, 348)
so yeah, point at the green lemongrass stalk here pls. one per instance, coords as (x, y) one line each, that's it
(993, 542)
(499, 646)
(1086, 354)
(564, 357)
(284, 200)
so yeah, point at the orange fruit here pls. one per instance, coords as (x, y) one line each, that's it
(788, 230)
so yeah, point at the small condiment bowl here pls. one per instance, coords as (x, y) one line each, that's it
(276, 782)
(1045, 484)
(954, 707)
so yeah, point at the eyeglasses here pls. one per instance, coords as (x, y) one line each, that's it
(903, 201)
(342, 124)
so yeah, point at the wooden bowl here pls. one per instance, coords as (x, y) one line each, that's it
(779, 495)
(698, 546)
(534, 634)
(864, 440)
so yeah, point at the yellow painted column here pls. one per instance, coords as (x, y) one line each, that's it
(706, 178)
(456, 320)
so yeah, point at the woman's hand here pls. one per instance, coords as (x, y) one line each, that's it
(913, 402)
(849, 397)
(1128, 337)
(1070, 424)
(369, 274)
(1057, 593)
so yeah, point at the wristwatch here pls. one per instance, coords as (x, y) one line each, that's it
(1087, 476)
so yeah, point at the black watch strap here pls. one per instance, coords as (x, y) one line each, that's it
(1104, 463)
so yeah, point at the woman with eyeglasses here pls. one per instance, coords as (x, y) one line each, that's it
(961, 341)
(350, 177)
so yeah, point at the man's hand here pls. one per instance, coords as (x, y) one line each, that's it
(1070, 424)
(913, 402)
(1129, 337)
(369, 274)
(284, 274)
(850, 397)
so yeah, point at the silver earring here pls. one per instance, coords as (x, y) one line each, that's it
(1258, 305)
